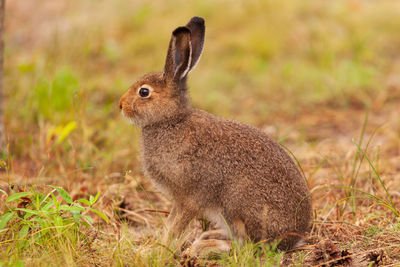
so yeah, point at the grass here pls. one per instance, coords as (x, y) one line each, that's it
(36, 224)
(306, 72)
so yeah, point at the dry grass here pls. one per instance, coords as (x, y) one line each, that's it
(306, 72)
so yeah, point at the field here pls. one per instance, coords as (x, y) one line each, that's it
(320, 77)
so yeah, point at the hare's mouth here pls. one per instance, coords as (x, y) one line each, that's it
(128, 118)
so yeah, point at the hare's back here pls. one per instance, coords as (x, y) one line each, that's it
(239, 153)
(234, 142)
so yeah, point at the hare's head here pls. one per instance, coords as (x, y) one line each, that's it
(158, 97)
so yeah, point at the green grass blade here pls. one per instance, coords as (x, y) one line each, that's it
(102, 215)
(379, 179)
(357, 156)
(69, 208)
(84, 201)
(17, 196)
(3, 192)
(24, 231)
(35, 212)
(95, 198)
(64, 194)
(5, 218)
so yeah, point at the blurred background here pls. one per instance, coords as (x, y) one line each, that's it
(315, 75)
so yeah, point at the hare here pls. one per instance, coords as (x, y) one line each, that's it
(228, 172)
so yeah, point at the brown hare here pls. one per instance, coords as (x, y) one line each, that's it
(228, 172)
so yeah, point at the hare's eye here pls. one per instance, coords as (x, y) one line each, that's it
(144, 92)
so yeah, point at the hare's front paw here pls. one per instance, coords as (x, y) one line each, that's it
(177, 224)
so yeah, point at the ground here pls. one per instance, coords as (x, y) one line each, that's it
(320, 77)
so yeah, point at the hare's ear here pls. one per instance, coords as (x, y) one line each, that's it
(197, 30)
(178, 60)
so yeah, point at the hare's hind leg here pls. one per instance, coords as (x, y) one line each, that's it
(204, 247)
(218, 240)
(220, 234)
(211, 241)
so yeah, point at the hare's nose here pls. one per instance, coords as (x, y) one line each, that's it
(120, 104)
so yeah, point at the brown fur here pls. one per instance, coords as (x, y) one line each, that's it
(212, 167)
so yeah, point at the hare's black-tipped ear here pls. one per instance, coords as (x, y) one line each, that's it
(197, 30)
(177, 64)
